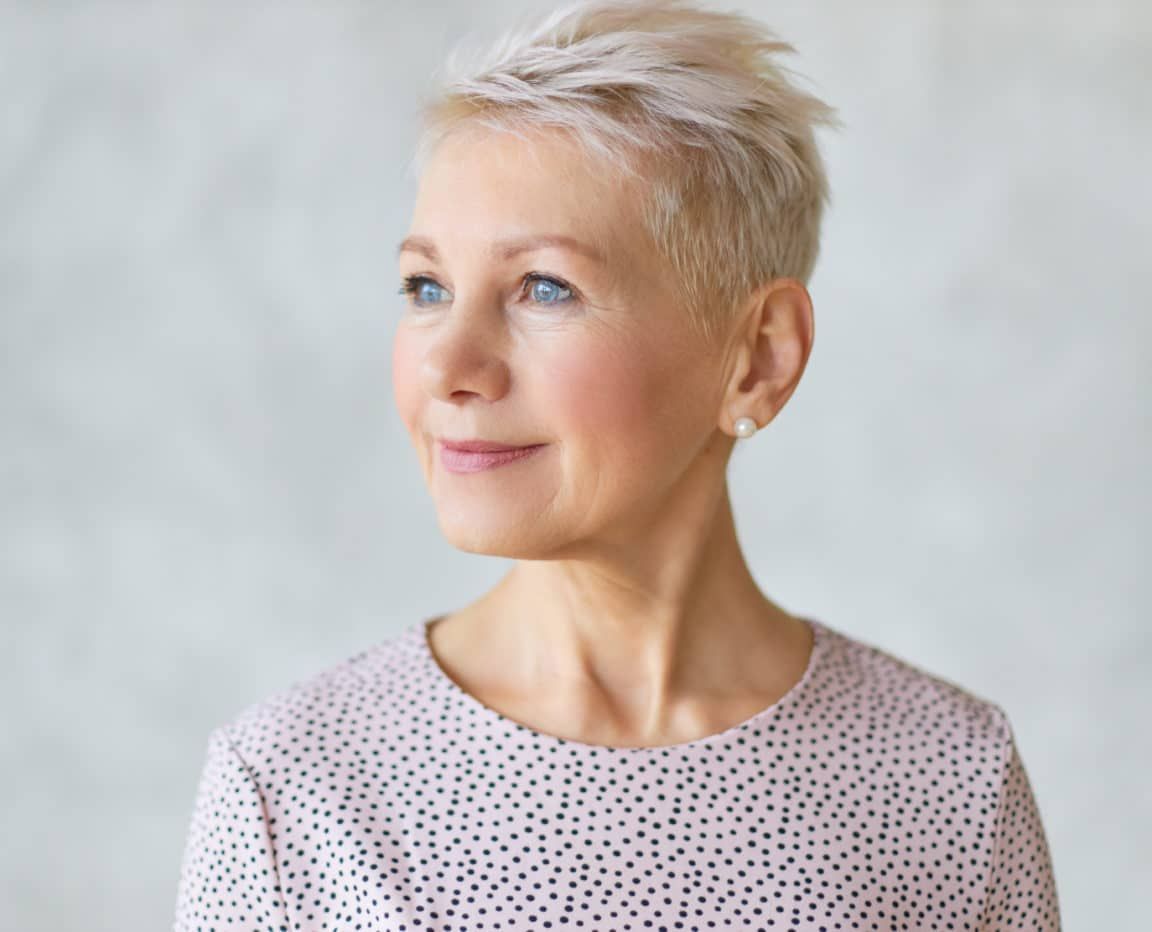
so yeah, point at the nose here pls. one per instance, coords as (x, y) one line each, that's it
(465, 355)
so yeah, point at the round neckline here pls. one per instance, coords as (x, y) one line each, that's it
(487, 714)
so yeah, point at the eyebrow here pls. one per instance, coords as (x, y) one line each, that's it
(508, 248)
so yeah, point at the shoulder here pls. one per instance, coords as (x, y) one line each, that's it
(344, 700)
(895, 698)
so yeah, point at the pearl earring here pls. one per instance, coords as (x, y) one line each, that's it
(745, 427)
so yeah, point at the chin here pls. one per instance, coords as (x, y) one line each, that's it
(500, 536)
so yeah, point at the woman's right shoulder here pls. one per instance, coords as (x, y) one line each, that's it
(349, 697)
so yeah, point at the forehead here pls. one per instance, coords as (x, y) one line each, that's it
(481, 184)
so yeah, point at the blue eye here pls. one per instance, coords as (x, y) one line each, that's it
(551, 287)
(414, 285)
(544, 289)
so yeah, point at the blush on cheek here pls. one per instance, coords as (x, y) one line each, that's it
(602, 396)
(405, 379)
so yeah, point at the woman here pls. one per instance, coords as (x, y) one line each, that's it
(605, 280)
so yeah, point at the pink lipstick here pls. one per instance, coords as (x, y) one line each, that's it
(465, 456)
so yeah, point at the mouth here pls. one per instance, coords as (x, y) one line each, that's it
(483, 446)
(476, 456)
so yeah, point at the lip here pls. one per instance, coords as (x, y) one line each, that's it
(481, 446)
(462, 457)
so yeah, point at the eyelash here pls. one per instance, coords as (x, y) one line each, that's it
(411, 285)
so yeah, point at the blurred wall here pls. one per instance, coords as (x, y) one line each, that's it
(207, 494)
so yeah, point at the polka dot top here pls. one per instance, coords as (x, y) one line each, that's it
(379, 796)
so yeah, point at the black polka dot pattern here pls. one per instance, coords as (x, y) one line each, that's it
(379, 796)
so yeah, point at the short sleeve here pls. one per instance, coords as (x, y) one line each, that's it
(228, 877)
(1021, 891)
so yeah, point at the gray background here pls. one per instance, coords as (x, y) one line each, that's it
(207, 493)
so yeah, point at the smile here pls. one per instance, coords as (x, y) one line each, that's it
(464, 461)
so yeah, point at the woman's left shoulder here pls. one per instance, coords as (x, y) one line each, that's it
(895, 693)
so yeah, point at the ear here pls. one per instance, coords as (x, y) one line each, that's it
(771, 353)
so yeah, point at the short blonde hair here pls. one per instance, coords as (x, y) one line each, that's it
(734, 185)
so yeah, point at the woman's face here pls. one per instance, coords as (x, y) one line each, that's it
(586, 354)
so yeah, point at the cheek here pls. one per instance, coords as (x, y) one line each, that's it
(616, 403)
(405, 377)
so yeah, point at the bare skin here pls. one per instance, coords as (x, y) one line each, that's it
(604, 699)
(630, 617)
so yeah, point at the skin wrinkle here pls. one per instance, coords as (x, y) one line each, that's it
(630, 617)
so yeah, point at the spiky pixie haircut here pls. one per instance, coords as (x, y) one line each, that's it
(686, 99)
